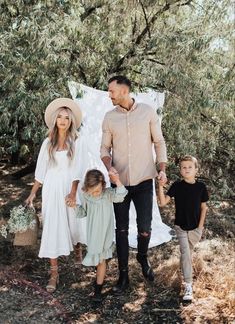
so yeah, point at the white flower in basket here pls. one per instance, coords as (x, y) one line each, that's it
(22, 220)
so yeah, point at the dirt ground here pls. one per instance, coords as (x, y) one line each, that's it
(23, 277)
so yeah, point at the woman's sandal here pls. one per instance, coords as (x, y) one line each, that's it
(78, 255)
(54, 279)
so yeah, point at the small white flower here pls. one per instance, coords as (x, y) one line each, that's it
(21, 218)
(3, 230)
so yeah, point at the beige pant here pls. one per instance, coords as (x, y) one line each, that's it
(187, 241)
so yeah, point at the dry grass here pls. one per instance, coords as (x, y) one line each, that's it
(157, 303)
(214, 294)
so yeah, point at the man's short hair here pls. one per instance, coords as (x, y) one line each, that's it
(120, 79)
(189, 158)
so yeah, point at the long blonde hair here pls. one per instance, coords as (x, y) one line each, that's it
(53, 134)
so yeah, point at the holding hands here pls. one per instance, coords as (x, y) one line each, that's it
(162, 178)
(70, 200)
(162, 198)
(114, 177)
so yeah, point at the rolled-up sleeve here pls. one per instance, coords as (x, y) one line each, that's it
(157, 138)
(106, 142)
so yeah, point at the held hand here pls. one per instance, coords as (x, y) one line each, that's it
(29, 200)
(113, 175)
(112, 170)
(70, 200)
(162, 178)
(161, 183)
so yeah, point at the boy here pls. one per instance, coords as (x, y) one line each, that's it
(190, 211)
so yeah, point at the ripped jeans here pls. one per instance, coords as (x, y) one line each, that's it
(142, 197)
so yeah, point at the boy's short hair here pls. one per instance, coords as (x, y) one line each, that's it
(189, 158)
(120, 79)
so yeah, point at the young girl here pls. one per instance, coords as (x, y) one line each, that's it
(57, 170)
(190, 211)
(98, 207)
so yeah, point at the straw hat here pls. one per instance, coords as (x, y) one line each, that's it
(59, 103)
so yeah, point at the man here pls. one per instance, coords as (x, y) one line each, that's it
(129, 131)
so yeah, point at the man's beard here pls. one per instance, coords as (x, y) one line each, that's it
(114, 101)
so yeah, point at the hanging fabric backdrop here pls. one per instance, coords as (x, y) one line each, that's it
(94, 104)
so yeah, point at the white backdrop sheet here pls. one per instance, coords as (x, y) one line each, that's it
(94, 105)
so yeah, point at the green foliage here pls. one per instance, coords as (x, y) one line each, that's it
(181, 47)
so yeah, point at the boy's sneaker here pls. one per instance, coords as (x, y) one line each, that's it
(188, 292)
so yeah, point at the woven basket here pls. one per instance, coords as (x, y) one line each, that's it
(28, 237)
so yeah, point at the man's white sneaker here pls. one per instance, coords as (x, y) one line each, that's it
(188, 292)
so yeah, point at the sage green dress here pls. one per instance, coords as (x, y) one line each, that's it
(100, 223)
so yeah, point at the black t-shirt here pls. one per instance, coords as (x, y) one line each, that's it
(188, 199)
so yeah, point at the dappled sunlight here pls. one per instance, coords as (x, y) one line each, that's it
(181, 54)
(214, 283)
(88, 317)
(140, 298)
(213, 267)
(213, 279)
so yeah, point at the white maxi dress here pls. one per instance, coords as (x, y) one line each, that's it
(61, 228)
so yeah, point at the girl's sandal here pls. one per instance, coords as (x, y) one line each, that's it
(54, 279)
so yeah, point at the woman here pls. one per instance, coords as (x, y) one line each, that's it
(57, 169)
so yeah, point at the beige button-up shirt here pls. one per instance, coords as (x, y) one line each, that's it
(128, 138)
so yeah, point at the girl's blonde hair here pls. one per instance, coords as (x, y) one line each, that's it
(92, 179)
(71, 135)
(189, 158)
